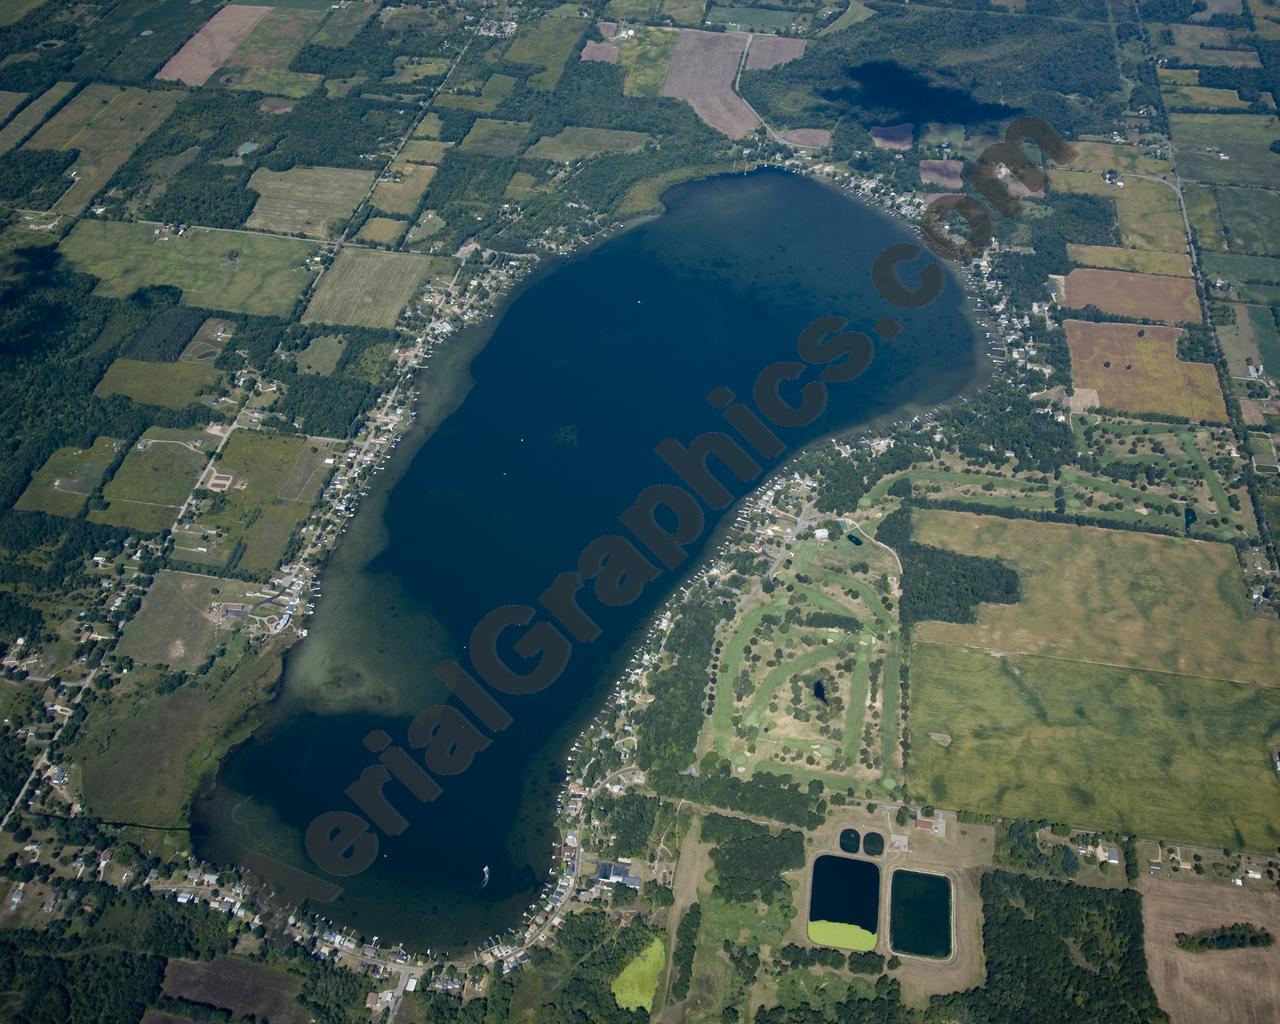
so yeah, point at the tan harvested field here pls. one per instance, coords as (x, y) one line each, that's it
(367, 288)
(770, 51)
(1231, 986)
(1137, 369)
(1140, 296)
(209, 48)
(702, 72)
(382, 230)
(106, 124)
(313, 201)
(1112, 598)
(604, 52)
(809, 138)
(402, 196)
(942, 172)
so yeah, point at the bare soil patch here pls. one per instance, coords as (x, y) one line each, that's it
(605, 52)
(895, 136)
(1233, 986)
(702, 72)
(209, 48)
(809, 138)
(770, 51)
(942, 172)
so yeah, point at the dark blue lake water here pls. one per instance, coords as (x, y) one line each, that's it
(539, 431)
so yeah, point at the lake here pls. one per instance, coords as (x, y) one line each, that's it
(534, 433)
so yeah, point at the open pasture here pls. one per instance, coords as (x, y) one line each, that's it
(106, 124)
(1199, 97)
(63, 484)
(750, 19)
(495, 89)
(1140, 296)
(703, 68)
(208, 342)
(425, 151)
(9, 102)
(210, 48)
(28, 119)
(155, 479)
(431, 223)
(403, 187)
(367, 288)
(314, 201)
(238, 986)
(1250, 219)
(1203, 45)
(409, 70)
(321, 355)
(275, 478)
(179, 622)
(1112, 598)
(275, 82)
(645, 58)
(171, 385)
(1149, 217)
(12, 11)
(1031, 737)
(546, 44)
(1242, 270)
(1137, 369)
(1194, 986)
(580, 143)
(381, 230)
(276, 39)
(685, 12)
(1109, 156)
(244, 273)
(1140, 261)
(1226, 149)
(343, 23)
(496, 138)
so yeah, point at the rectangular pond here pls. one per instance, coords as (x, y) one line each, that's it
(920, 914)
(844, 903)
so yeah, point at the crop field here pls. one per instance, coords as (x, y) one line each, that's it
(1251, 220)
(1149, 217)
(210, 48)
(496, 138)
(495, 89)
(63, 484)
(702, 72)
(179, 625)
(631, 10)
(1199, 97)
(1137, 369)
(133, 40)
(144, 754)
(1203, 141)
(381, 230)
(403, 195)
(1112, 598)
(1106, 156)
(208, 342)
(238, 986)
(274, 81)
(171, 385)
(315, 201)
(770, 51)
(343, 24)
(580, 143)
(321, 355)
(750, 19)
(645, 58)
(685, 12)
(1240, 270)
(425, 151)
(28, 119)
(428, 128)
(276, 39)
(1204, 45)
(546, 44)
(276, 477)
(244, 273)
(106, 124)
(367, 288)
(155, 479)
(1140, 296)
(1207, 986)
(1081, 743)
(1140, 261)
(1202, 212)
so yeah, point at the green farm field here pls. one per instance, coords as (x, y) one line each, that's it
(381, 230)
(546, 44)
(685, 12)
(1112, 598)
(1243, 138)
(368, 287)
(131, 41)
(1251, 219)
(495, 89)
(404, 188)
(496, 138)
(321, 355)
(636, 986)
(276, 479)
(155, 479)
(171, 385)
(580, 143)
(1096, 746)
(645, 58)
(1140, 261)
(63, 484)
(178, 625)
(315, 201)
(236, 271)
(26, 120)
(425, 151)
(750, 19)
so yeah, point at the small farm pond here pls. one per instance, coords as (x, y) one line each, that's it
(844, 903)
(920, 914)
